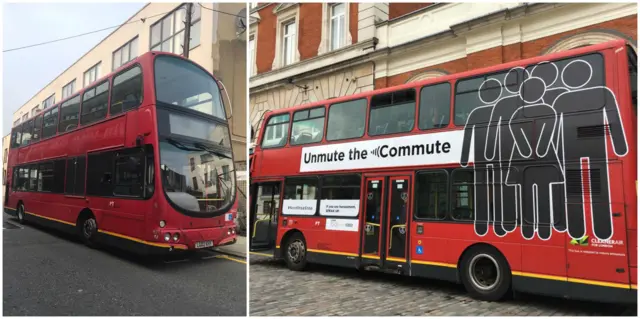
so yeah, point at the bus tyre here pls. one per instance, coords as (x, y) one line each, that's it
(295, 254)
(21, 214)
(88, 230)
(485, 274)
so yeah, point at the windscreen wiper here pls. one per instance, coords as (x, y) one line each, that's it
(203, 147)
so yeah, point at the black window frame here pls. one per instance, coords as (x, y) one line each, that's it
(308, 118)
(283, 193)
(365, 117)
(452, 194)
(321, 190)
(390, 105)
(94, 89)
(448, 186)
(37, 128)
(28, 126)
(112, 85)
(69, 103)
(266, 126)
(75, 162)
(418, 115)
(56, 108)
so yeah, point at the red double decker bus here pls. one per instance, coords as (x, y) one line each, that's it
(517, 177)
(141, 159)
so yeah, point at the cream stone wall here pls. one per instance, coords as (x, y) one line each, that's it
(221, 51)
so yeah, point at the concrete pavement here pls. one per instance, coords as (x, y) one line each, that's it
(50, 273)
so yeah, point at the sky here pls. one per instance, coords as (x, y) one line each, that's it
(27, 71)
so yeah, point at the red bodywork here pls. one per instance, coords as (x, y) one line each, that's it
(134, 220)
(444, 243)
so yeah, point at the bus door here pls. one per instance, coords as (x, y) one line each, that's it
(263, 215)
(387, 204)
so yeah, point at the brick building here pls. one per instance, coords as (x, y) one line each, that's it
(304, 52)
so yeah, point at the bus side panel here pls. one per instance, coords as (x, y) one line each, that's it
(446, 242)
(333, 247)
(105, 135)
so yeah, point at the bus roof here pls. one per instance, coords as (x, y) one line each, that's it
(145, 56)
(449, 77)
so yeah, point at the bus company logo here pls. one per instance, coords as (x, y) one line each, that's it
(584, 241)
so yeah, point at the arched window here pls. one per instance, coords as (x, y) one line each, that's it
(426, 75)
(586, 39)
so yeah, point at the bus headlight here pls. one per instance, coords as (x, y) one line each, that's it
(167, 236)
(176, 237)
(162, 224)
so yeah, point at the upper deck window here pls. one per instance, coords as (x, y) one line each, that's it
(69, 114)
(126, 93)
(26, 132)
(37, 129)
(434, 106)
(275, 133)
(50, 126)
(484, 90)
(393, 112)
(95, 103)
(180, 82)
(633, 77)
(308, 126)
(347, 120)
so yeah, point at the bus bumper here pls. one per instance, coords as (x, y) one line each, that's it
(209, 238)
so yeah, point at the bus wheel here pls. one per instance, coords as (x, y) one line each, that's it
(88, 230)
(21, 214)
(485, 274)
(296, 252)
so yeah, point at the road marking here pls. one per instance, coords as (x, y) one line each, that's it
(227, 258)
(176, 261)
(260, 254)
(10, 222)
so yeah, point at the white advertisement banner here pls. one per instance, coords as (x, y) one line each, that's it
(342, 224)
(414, 150)
(299, 206)
(340, 207)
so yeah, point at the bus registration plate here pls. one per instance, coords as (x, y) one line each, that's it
(204, 244)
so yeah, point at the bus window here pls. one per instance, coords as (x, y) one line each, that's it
(16, 136)
(342, 188)
(392, 112)
(100, 174)
(347, 120)
(37, 128)
(23, 179)
(126, 93)
(75, 176)
(129, 175)
(490, 87)
(462, 194)
(26, 132)
(94, 103)
(633, 77)
(434, 106)
(33, 178)
(308, 126)
(432, 195)
(69, 114)
(50, 125)
(275, 133)
(301, 188)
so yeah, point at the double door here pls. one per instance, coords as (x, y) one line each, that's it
(385, 228)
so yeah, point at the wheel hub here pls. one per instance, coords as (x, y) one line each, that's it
(89, 227)
(484, 272)
(296, 251)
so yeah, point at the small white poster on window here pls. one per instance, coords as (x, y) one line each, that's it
(299, 206)
(340, 207)
(342, 224)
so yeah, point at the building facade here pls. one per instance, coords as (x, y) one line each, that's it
(218, 43)
(299, 56)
